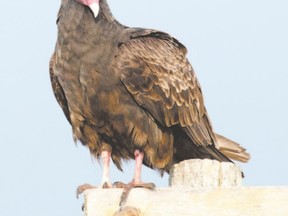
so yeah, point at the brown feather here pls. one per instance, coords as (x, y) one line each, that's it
(172, 75)
(128, 88)
(232, 149)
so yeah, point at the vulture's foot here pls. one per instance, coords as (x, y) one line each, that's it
(82, 188)
(106, 185)
(128, 187)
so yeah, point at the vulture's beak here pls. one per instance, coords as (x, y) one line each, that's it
(95, 8)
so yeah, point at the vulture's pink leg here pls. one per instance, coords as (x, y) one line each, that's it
(136, 181)
(138, 166)
(106, 157)
(105, 183)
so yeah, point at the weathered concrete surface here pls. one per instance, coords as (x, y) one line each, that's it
(238, 201)
(198, 187)
(205, 173)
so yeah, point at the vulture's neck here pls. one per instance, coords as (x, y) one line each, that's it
(106, 12)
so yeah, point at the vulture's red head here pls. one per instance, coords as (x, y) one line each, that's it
(92, 4)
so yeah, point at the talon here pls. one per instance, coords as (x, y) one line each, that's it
(119, 185)
(106, 185)
(149, 186)
(82, 188)
(128, 187)
(83, 207)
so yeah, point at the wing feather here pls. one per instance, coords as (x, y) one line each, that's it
(57, 89)
(156, 72)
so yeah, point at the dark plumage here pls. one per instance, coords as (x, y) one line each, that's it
(125, 89)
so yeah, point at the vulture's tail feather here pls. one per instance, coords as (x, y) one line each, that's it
(232, 149)
(185, 149)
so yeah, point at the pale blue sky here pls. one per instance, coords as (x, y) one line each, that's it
(239, 50)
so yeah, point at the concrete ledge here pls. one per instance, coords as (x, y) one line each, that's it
(198, 187)
(235, 201)
(205, 173)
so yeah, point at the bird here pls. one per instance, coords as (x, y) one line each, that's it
(131, 93)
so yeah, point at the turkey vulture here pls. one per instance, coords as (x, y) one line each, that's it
(130, 93)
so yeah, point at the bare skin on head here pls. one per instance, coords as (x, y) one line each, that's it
(92, 4)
